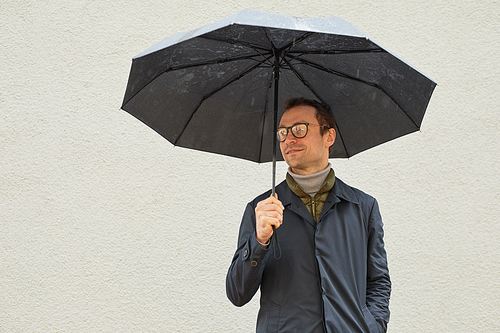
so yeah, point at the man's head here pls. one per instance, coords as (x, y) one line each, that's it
(307, 134)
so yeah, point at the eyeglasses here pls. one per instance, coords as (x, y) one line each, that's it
(298, 131)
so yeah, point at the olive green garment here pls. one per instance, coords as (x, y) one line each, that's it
(314, 205)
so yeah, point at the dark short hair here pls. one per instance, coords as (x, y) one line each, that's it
(323, 114)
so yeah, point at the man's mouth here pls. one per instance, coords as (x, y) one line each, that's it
(292, 150)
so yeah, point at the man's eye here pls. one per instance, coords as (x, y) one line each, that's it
(299, 130)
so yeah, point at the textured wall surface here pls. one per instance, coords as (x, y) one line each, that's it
(105, 227)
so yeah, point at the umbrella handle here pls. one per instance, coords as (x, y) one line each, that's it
(276, 245)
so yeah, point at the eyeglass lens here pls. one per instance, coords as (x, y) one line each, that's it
(298, 131)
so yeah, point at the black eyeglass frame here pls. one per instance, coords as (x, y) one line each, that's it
(290, 130)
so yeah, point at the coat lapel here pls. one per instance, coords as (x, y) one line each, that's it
(293, 203)
(340, 191)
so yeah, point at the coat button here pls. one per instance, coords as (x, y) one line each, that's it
(245, 253)
(254, 263)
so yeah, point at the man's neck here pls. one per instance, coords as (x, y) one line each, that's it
(311, 183)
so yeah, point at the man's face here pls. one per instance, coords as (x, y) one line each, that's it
(309, 154)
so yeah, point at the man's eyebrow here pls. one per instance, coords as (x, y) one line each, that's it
(296, 123)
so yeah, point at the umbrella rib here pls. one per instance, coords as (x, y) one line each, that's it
(301, 79)
(234, 42)
(307, 34)
(339, 51)
(213, 62)
(331, 71)
(256, 48)
(293, 43)
(250, 69)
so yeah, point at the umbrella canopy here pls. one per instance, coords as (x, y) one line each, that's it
(215, 88)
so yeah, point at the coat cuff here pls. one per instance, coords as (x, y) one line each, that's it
(253, 251)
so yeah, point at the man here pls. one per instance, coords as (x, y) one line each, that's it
(332, 275)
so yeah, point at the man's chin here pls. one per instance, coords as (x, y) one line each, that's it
(292, 163)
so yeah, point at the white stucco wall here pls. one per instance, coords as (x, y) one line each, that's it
(105, 227)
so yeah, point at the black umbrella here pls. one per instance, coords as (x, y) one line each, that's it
(218, 88)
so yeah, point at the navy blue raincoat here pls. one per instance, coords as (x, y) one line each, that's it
(332, 275)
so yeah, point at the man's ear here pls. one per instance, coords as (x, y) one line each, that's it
(332, 134)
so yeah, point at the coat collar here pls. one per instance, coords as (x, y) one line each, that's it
(341, 190)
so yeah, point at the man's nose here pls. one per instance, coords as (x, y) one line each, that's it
(290, 137)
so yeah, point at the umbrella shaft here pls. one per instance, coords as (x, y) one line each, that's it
(276, 71)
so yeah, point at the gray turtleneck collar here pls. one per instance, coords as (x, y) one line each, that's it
(311, 184)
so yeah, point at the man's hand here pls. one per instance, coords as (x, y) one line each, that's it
(268, 213)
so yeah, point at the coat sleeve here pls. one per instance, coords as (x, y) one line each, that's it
(378, 289)
(245, 273)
